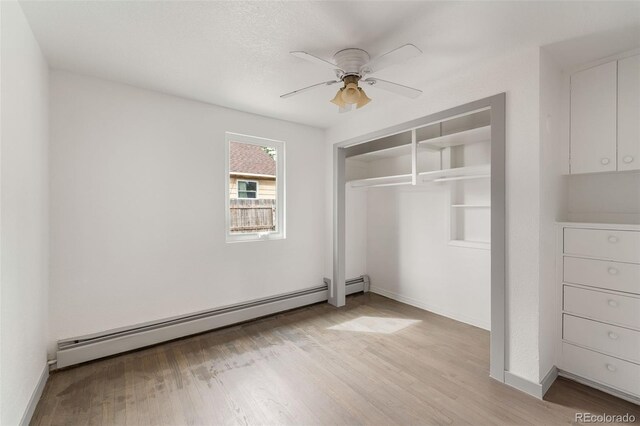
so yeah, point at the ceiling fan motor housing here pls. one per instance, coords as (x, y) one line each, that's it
(351, 61)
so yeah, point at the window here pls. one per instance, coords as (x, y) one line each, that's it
(254, 188)
(247, 189)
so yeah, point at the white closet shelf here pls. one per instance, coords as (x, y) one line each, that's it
(471, 244)
(459, 173)
(381, 154)
(479, 134)
(382, 181)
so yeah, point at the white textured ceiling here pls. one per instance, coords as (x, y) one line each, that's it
(235, 54)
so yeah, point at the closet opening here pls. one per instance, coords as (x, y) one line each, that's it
(420, 209)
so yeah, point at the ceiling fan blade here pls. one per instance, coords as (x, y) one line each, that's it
(396, 88)
(346, 108)
(393, 57)
(296, 92)
(315, 60)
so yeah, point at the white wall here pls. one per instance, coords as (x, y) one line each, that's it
(604, 197)
(409, 257)
(24, 214)
(552, 202)
(137, 222)
(516, 74)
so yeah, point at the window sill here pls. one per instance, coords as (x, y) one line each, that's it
(267, 236)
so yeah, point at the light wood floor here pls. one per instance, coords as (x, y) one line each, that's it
(294, 369)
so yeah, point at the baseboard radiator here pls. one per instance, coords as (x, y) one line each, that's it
(86, 348)
(356, 285)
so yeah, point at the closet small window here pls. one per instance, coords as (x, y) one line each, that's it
(254, 189)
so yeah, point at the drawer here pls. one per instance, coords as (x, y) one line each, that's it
(616, 341)
(602, 273)
(602, 306)
(609, 371)
(623, 246)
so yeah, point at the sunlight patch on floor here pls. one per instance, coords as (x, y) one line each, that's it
(384, 325)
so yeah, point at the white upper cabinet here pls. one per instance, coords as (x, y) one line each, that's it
(593, 119)
(629, 113)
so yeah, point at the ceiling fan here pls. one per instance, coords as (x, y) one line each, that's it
(351, 66)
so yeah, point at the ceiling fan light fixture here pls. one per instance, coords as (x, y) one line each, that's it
(350, 93)
(351, 67)
(364, 99)
(338, 99)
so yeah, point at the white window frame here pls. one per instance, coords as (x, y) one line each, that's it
(279, 233)
(249, 180)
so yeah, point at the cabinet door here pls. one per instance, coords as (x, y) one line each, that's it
(593, 119)
(629, 113)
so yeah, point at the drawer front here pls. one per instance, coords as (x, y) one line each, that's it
(617, 341)
(613, 372)
(607, 307)
(604, 274)
(623, 246)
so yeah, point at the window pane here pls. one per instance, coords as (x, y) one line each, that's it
(252, 188)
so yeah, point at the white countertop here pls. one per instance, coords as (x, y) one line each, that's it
(625, 226)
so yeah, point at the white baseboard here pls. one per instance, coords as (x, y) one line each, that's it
(432, 308)
(537, 390)
(35, 396)
(548, 380)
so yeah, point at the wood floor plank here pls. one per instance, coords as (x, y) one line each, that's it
(312, 367)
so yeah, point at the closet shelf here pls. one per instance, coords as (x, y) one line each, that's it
(381, 154)
(459, 173)
(471, 244)
(381, 181)
(479, 134)
(471, 206)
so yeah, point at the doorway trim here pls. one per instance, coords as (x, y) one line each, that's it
(497, 106)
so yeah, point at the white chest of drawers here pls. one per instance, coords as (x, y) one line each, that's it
(599, 315)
